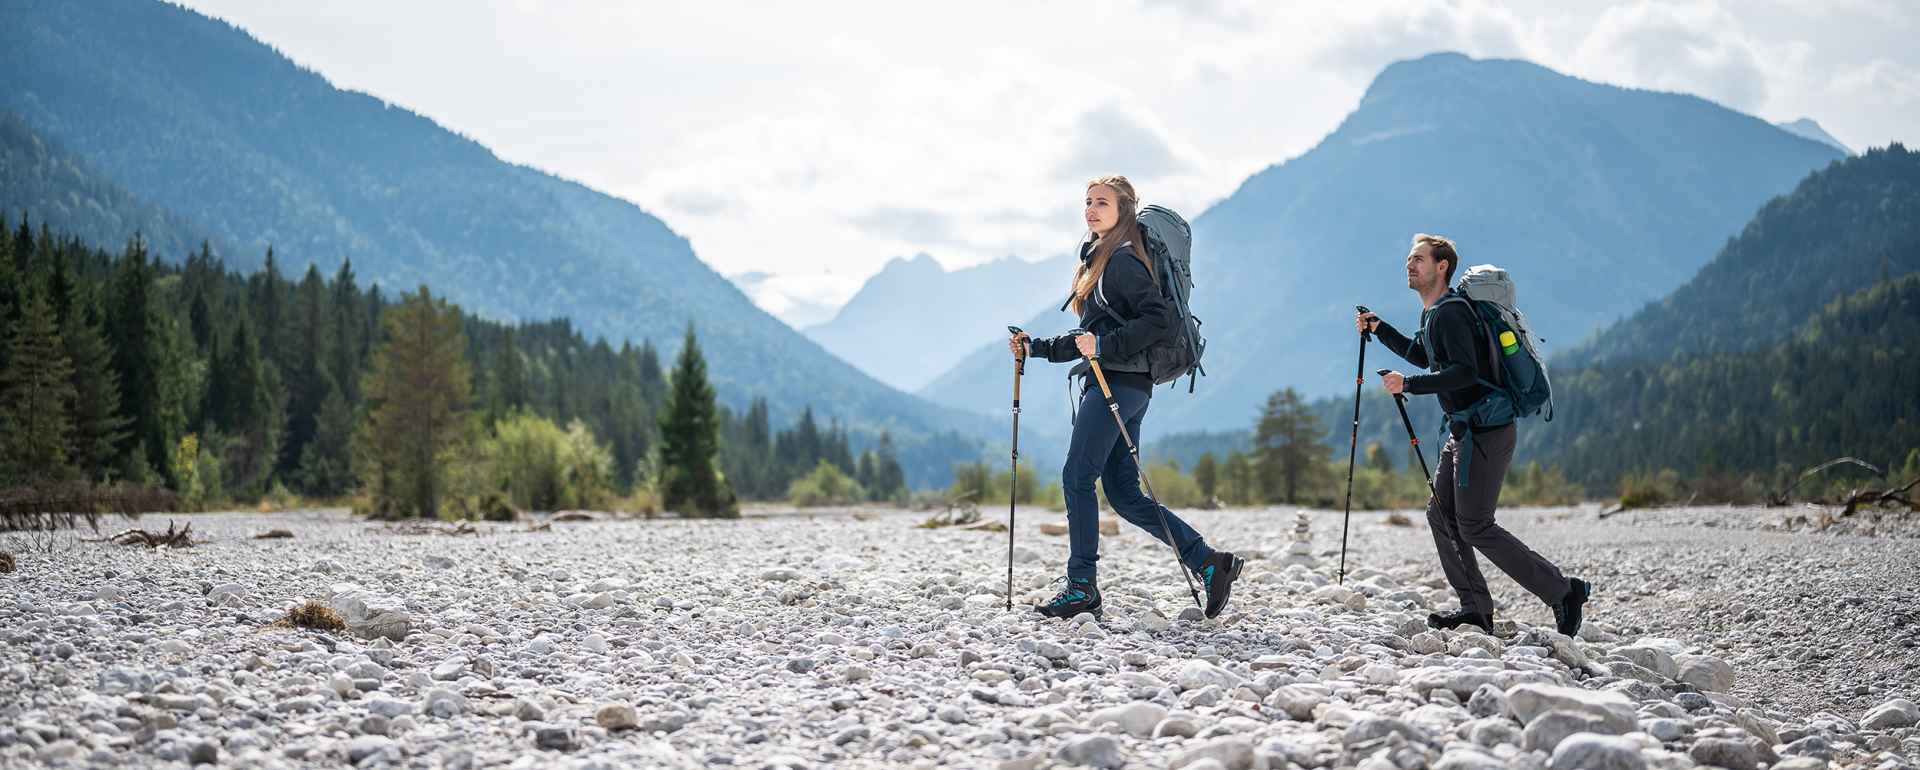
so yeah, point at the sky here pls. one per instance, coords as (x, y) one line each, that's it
(807, 144)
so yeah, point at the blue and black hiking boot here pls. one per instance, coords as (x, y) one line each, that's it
(1080, 595)
(1222, 569)
(1567, 614)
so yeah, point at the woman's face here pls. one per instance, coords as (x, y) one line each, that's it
(1103, 209)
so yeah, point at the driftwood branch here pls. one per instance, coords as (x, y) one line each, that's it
(1868, 497)
(1783, 497)
(172, 538)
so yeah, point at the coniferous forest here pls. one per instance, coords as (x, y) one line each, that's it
(229, 388)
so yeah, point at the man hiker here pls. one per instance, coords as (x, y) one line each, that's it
(1452, 346)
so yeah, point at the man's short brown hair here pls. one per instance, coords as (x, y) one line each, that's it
(1442, 249)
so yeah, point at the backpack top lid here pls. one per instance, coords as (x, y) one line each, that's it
(1488, 283)
(1172, 231)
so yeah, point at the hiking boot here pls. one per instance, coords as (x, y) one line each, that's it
(1459, 618)
(1222, 569)
(1080, 595)
(1567, 614)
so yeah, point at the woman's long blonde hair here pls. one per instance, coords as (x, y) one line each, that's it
(1087, 275)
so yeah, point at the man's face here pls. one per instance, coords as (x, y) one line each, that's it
(1422, 272)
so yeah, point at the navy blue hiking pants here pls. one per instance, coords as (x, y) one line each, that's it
(1097, 453)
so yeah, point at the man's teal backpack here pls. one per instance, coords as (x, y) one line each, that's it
(1519, 375)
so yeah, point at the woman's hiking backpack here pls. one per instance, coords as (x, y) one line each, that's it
(1170, 244)
(1520, 373)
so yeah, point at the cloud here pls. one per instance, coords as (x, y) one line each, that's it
(1361, 46)
(907, 223)
(1699, 48)
(1116, 139)
(696, 202)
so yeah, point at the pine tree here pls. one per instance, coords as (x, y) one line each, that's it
(309, 380)
(507, 391)
(269, 290)
(349, 345)
(866, 471)
(326, 463)
(691, 480)
(1206, 475)
(1286, 441)
(890, 480)
(36, 400)
(248, 411)
(418, 393)
(130, 332)
(98, 426)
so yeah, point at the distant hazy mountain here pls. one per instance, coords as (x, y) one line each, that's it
(193, 115)
(915, 319)
(767, 292)
(1805, 127)
(1597, 198)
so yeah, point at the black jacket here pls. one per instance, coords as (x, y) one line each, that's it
(1454, 349)
(1126, 313)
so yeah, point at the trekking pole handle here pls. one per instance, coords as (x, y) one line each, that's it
(1019, 361)
(1385, 372)
(1365, 335)
(1101, 377)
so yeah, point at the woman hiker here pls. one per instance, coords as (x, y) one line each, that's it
(1122, 313)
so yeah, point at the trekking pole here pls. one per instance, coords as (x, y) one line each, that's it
(1400, 400)
(1013, 482)
(1114, 407)
(1353, 445)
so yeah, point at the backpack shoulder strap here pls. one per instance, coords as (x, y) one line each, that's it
(1493, 350)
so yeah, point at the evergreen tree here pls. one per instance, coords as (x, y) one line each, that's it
(130, 331)
(249, 413)
(1206, 475)
(507, 389)
(865, 471)
(326, 464)
(36, 400)
(98, 426)
(309, 380)
(269, 304)
(691, 480)
(1242, 486)
(1287, 443)
(349, 346)
(418, 393)
(890, 480)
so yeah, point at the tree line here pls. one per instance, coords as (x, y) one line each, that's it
(226, 387)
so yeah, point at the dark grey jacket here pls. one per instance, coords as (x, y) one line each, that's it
(1126, 313)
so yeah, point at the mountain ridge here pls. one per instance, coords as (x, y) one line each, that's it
(1598, 198)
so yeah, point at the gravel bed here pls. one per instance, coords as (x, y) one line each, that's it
(841, 640)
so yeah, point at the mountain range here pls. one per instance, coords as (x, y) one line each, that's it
(901, 325)
(1597, 198)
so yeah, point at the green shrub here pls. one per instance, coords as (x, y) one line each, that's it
(1173, 488)
(1534, 485)
(1646, 489)
(825, 485)
(543, 468)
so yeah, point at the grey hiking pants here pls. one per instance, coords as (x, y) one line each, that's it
(1462, 520)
